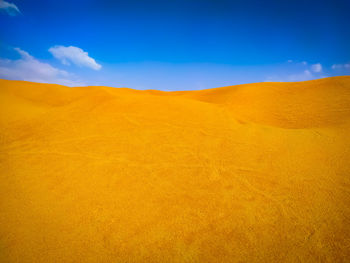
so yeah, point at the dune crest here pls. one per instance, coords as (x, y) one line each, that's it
(248, 173)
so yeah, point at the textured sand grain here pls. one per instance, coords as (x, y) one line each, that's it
(249, 173)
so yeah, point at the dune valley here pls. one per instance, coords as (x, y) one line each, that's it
(248, 173)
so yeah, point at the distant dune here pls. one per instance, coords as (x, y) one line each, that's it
(249, 173)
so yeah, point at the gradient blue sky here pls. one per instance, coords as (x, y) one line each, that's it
(173, 44)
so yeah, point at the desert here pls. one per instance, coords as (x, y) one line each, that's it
(248, 173)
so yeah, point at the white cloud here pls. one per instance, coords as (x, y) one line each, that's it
(10, 8)
(316, 68)
(336, 66)
(341, 66)
(30, 69)
(305, 75)
(74, 55)
(304, 63)
(290, 61)
(302, 76)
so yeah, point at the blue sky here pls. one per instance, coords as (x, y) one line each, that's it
(174, 44)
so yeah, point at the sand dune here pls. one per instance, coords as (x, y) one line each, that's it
(248, 173)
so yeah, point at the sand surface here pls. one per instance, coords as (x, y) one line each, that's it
(248, 173)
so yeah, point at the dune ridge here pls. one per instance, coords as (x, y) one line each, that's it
(248, 173)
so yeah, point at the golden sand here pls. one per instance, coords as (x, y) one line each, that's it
(248, 173)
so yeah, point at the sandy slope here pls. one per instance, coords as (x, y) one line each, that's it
(249, 173)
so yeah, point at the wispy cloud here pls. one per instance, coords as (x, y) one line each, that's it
(74, 55)
(31, 69)
(301, 76)
(341, 66)
(298, 71)
(316, 68)
(305, 75)
(9, 8)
